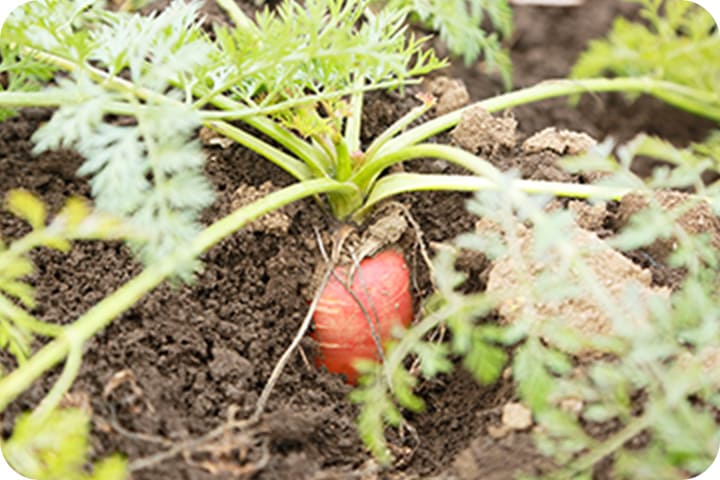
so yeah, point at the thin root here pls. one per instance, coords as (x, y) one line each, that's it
(285, 358)
(418, 236)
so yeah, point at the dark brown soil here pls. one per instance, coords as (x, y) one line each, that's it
(174, 365)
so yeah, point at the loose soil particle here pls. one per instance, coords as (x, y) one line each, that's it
(193, 352)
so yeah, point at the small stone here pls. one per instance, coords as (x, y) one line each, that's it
(572, 405)
(210, 138)
(516, 416)
(498, 432)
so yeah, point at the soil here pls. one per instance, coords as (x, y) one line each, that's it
(612, 269)
(175, 365)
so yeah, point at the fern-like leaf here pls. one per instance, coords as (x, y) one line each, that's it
(459, 23)
(679, 46)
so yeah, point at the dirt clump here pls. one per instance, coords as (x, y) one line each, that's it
(383, 230)
(562, 142)
(588, 216)
(451, 93)
(694, 215)
(515, 416)
(517, 278)
(481, 132)
(498, 459)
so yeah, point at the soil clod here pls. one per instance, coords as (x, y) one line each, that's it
(481, 132)
(607, 274)
(451, 94)
(562, 142)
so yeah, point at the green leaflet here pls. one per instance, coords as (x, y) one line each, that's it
(24, 74)
(679, 46)
(459, 23)
(56, 447)
(150, 173)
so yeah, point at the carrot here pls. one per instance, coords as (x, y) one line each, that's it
(380, 284)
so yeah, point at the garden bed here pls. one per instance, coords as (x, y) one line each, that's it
(173, 366)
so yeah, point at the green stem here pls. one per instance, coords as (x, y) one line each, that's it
(354, 122)
(265, 125)
(322, 144)
(397, 183)
(237, 15)
(343, 205)
(366, 175)
(131, 292)
(49, 98)
(64, 382)
(242, 111)
(291, 165)
(344, 166)
(679, 96)
(280, 134)
(25, 244)
(397, 127)
(586, 462)
(689, 100)
(101, 76)
(27, 321)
